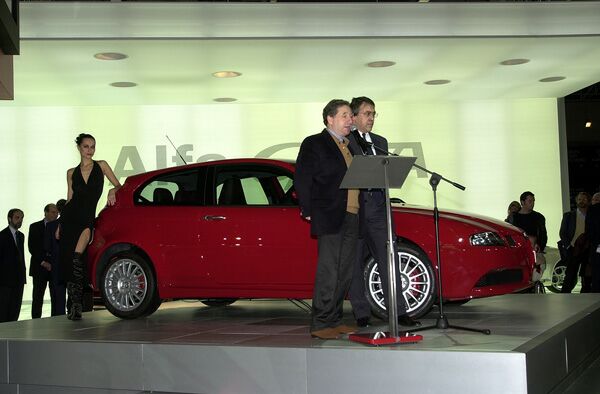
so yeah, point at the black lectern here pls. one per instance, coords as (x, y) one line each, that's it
(382, 172)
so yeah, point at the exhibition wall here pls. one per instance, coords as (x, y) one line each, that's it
(497, 149)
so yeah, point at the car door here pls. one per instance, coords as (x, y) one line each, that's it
(253, 237)
(169, 217)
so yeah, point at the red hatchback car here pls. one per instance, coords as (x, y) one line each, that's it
(223, 230)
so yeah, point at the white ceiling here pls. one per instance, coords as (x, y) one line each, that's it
(302, 52)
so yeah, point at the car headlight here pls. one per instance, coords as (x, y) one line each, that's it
(488, 238)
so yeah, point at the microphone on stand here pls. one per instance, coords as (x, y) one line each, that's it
(365, 145)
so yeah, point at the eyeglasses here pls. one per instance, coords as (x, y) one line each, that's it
(368, 114)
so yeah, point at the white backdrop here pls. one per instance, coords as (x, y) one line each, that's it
(497, 149)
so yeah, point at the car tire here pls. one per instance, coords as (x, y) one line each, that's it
(128, 287)
(216, 302)
(558, 276)
(418, 282)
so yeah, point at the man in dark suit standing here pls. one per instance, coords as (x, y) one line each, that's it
(592, 231)
(573, 245)
(12, 267)
(373, 235)
(39, 269)
(333, 212)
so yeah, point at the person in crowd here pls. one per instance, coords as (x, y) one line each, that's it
(373, 234)
(51, 258)
(84, 188)
(12, 267)
(533, 224)
(39, 269)
(573, 244)
(513, 208)
(592, 231)
(596, 198)
(333, 213)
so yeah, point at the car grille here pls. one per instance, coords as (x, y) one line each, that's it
(500, 278)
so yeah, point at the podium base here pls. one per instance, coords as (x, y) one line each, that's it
(385, 338)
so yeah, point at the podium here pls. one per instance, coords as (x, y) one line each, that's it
(382, 172)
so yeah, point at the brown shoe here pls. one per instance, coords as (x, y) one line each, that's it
(344, 329)
(325, 333)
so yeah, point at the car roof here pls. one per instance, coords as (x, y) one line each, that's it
(285, 163)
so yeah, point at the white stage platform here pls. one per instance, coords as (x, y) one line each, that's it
(539, 344)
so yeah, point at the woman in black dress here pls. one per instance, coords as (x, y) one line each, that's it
(85, 183)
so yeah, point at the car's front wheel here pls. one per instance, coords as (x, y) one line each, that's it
(416, 276)
(128, 287)
(558, 276)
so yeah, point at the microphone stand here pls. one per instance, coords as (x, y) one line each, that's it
(441, 321)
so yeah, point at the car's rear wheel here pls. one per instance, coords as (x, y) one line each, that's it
(558, 276)
(214, 302)
(417, 278)
(128, 287)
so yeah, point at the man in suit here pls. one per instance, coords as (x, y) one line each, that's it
(592, 231)
(333, 213)
(12, 267)
(573, 245)
(39, 269)
(373, 235)
(58, 295)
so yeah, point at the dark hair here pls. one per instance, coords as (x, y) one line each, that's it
(524, 195)
(331, 108)
(588, 195)
(358, 101)
(47, 207)
(12, 212)
(60, 204)
(82, 136)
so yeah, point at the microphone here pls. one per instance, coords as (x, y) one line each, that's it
(364, 144)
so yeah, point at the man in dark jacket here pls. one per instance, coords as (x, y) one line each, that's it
(12, 267)
(373, 234)
(573, 245)
(39, 269)
(333, 212)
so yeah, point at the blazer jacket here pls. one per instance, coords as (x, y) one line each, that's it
(12, 260)
(320, 168)
(35, 244)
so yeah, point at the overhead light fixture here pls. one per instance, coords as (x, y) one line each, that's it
(380, 64)
(588, 124)
(226, 74)
(437, 82)
(552, 79)
(110, 56)
(123, 84)
(224, 99)
(514, 62)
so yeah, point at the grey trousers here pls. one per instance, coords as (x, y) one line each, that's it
(337, 253)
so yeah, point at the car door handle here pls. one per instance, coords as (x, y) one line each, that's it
(211, 217)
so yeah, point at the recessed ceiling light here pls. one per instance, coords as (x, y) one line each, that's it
(226, 74)
(381, 63)
(224, 99)
(588, 124)
(437, 82)
(110, 56)
(514, 62)
(123, 84)
(552, 79)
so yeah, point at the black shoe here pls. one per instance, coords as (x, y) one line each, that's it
(363, 321)
(408, 321)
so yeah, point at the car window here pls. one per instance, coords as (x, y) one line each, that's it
(174, 188)
(253, 185)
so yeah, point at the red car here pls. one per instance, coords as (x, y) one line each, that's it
(223, 230)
